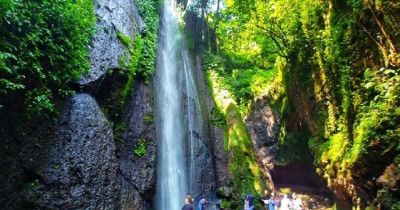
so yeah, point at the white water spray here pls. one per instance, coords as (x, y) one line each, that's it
(172, 178)
(181, 127)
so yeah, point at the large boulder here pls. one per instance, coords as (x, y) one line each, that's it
(263, 126)
(76, 166)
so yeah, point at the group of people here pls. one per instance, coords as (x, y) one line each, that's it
(271, 202)
(293, 202)
(285, 203)
(189, 203)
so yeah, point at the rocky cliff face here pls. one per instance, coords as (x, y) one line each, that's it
(106, 49)
(263, 125)
(138, 173)
(220, 155)
(206, 178)
(78, 162)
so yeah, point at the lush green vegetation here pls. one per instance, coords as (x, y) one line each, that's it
(334, 65)
(140, 56)
(140, 148)
(130, 61)
(149, 11)
(137, 63)
(247, 176)
(42, 49)
(148, 118)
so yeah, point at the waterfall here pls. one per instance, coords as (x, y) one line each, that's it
(184, 159)
(172, 176)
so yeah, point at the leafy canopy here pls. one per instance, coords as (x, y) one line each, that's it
(43, 49)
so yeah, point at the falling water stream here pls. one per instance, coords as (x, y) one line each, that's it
(184, 160)
(172, 177)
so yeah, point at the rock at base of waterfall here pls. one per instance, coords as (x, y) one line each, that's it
(76, 166)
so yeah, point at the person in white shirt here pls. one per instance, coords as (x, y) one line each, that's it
(285, 203)
(296, 202)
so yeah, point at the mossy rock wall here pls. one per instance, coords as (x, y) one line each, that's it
(247, 177)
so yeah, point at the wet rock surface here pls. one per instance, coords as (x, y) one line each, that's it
(138, 172)
(77, 164)
(220, 156)
(199, 158)
(106, 49)
(75, 167)
(12, 180)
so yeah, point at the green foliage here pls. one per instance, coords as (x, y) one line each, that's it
(139, 58)
(125, 40)
(130, 61)
(148, 118)
(395, 206)
(225, 203)
(247, 175)
(243, 83)
(149, 12)
(336, 63)
(288, 153)
(218, 118)
(140, 148)
(43, 49)
(120, 127)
